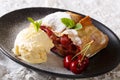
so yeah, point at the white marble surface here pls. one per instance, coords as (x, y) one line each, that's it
(105, 11)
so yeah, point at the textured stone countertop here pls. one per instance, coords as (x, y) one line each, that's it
(105, 11)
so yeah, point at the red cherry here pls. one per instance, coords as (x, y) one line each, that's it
(80, 57)
(78, 66)
(75, 67)
(47, 30)
(65, 40)
(67, 60)
(85, 61)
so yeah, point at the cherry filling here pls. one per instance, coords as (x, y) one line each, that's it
(73, 59)
(63, 44)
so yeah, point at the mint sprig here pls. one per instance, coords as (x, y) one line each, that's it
(71, 24)
(68, 22)
(36, 24)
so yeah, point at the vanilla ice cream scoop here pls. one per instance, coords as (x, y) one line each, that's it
(32, 46)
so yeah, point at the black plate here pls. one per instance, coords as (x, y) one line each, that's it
(13, 22)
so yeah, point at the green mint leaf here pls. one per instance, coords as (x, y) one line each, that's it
(35, 23)
(31, 20)
(78, 26)
(37, 26)
(68, 22)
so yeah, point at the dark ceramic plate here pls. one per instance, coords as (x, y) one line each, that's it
(13, 22)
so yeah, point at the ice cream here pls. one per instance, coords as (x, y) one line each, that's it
(32, 46)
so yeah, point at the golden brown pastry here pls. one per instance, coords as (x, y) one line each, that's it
(90, 32)
(75, 17)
